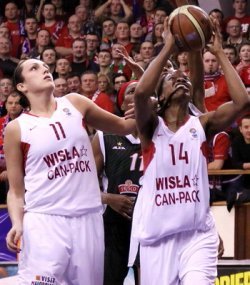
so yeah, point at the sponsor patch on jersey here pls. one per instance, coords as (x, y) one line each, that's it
(118, 146)
(193, 133)
(67, 111)
(128, 188)
(43, 280)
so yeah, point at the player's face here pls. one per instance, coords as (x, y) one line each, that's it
(245, 129)
(33, 68)
(13, 106)
(176, 84)
(129, 96)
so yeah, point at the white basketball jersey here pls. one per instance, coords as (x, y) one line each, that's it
(60, 172)
(175, 195)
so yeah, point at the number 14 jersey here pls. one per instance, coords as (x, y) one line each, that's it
(175, 195)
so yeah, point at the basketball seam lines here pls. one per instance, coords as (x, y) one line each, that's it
(194, 21)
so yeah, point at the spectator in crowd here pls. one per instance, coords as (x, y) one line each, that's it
(61, 87)
(146, 53)
(182, 62)
(118, 64)
(105, 86)
(117, 10)
(80, 62)
(49, 56)
(108, 33)
(232, 53)
(241, 159)
(157, 38)
(6, 87)
(104, 61)
(63, 67)
(14, 109)
(219, 158)
(66, 39)
(136, 33)
(218, 15)
(93, 44)
(50, 22)
(30, 7)
(42, 41)
(29, 40)
(89, 86)
(61, 14)
(240, 13)
(74, 83)
(244, 65)
(118, 80)
(122, 34)
(4, 32)
(14, 25)
(216, 91)
(7, 63)
(147, 18)
(234, 31)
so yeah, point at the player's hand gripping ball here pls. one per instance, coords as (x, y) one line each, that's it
(191, 27)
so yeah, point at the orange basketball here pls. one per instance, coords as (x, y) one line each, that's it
(191, 27)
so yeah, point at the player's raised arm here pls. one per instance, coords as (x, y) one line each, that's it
(144, 109)
(228, 112)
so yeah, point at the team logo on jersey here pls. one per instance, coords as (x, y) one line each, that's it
(43, 280)
(195, 180)
(118, 146)
(83, 151)
(128, 188)
(67, 111)
(193, 133)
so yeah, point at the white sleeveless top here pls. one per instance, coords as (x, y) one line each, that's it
(60, 172)
(175, 192)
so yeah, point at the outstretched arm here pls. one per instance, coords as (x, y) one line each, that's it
(144, 110)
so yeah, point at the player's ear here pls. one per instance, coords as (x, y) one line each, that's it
(21, 87)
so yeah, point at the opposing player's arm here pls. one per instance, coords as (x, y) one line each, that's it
(15, 198)
(226, 114)
(101, 119)
(144, 111)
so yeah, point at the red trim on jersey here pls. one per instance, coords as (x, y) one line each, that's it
(221, 146)
(148, 154)
(25, 149)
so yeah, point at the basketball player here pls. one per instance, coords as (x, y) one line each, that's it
(54, 199)
(119, 161)
(172, 220)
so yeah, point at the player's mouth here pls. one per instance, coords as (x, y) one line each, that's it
(47, 77)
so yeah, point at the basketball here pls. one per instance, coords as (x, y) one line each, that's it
(191, 27)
